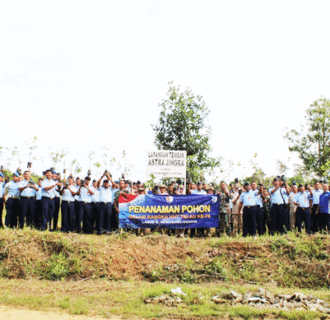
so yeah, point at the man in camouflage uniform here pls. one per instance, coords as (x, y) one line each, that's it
(237, 217)
(224, 210)
(265, 208)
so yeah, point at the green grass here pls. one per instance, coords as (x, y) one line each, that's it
(106, 298)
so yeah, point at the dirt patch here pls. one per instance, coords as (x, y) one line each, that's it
(9, 313)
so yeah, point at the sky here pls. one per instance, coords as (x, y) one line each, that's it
(86, 76)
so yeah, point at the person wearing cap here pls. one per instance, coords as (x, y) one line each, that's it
(292, 206)
(106, 199)
(259, 213)
(278, 210)
(248, 202)
(12, 201)
(323, 210)
(68, 193)
(301, 200)
(57, 201)
(2, 193)
(85, 193)
(162, 190)
(314, 203)
(224, 210)
(48, 200)
(27, 201)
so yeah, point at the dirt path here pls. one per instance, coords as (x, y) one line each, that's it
(9, 313)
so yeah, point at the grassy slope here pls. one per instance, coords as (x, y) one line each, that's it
(201, 267)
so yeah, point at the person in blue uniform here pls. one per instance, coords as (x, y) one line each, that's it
(106, 200)
(278, 218)
(248, 201)
(85, 193)
(2, 193)
(68, 192)
(259, 212)
(323, 210)
(314, 202)
(48, 200)
(12, 202)
(27, 207)
(301, 200)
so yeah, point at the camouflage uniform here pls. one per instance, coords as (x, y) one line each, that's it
(224, 213)
(266, 211)
(293, 209)
(237, 217)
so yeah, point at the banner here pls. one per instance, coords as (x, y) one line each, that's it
(151, 211)
(166, 163)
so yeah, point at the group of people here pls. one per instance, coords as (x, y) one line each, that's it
(255, 209)
(92, 206)
(86, 206)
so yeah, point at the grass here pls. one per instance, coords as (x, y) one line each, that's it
(113, 275)
(107, 298)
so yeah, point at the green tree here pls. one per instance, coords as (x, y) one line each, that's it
(312, 140)
(182, 126)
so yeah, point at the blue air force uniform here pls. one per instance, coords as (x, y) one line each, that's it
(106, 200)
(302, 213)
(314, 216)
(12, 203)
(277, 211)
(68, 209)
(47, 203)
(249, 213)
(27, 204)
(259, 213)
(324, 211)
(85, 210)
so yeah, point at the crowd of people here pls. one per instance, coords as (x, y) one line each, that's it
(91, 206)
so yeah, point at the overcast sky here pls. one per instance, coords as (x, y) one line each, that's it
(80, 75)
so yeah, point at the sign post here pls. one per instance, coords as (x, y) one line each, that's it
(167, 164)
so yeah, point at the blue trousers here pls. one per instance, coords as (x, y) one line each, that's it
(277, 218)
(249, 221)
(260, 220)
(104, 217)
(85, 216)
(27, 211)
(12, 208)
(68, 216)
(303, 214)
(48, 208)
(56, 212)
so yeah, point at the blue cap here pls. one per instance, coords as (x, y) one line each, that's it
(1, 175)
(16, 174)
(54, 172)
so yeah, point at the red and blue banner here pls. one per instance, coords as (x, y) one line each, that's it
(151, 211)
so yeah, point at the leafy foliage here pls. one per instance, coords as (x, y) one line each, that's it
(312, 142)
(182, 126)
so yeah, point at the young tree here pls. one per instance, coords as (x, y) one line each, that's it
(312, 140)
(182, 126)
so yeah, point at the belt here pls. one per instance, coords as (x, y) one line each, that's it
(278, 204)
(249, 207)
(26, 197)
(304, 207)
(105, 202)
(13, 197)
(67, 201)
(48, 197)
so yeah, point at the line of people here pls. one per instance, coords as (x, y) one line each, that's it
(252, 209)
(85, 206)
